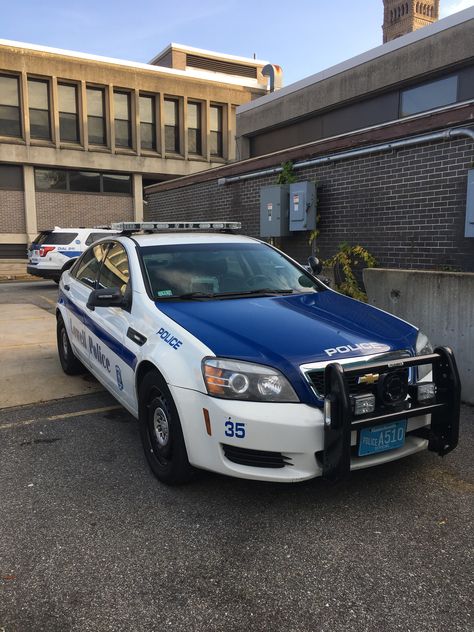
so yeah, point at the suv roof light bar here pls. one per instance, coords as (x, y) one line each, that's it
(158, 226)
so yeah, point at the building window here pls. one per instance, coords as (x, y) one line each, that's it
(10, 123)
(147, 122)
(116, 183)
(50, 179)
(216, 118)
(95, 116)
(429, 96)
(88, 181)
(11, 177)
(38, 100)
(194, 128)
(123, 127)
(171, 125)
(82, 181)
(68, 113)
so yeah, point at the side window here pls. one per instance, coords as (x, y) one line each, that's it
(115, 271)
(87, 269)
(95, 237)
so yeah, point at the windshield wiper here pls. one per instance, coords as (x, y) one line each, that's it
(192, 296)
(188, 296)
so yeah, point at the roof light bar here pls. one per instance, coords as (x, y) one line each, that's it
(157, 226)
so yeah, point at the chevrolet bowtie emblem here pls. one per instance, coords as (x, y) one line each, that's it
(368, 378)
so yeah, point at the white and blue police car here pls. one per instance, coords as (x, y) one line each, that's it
(56, 250)
(235, 359)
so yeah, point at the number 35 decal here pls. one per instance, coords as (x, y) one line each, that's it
(234, 429)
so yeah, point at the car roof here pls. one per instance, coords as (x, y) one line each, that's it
(162, 239)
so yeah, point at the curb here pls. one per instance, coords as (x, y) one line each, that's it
(8, 278)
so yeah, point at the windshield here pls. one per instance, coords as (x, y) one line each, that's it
(194, 271)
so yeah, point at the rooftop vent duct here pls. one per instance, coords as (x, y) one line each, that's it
(275, 75)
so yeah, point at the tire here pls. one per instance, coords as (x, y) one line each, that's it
(161, 433)
(69, 363)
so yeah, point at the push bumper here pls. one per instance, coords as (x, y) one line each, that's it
(340, 422)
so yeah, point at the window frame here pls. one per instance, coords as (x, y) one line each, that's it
(220, 108)
(103, 90)
(422, 85)
(153, 125)
(19, 108)
(21, 187)
(101, 191)
(76, 86)
(176, 128)
(197, 130)
(128, 94)
(47, 81)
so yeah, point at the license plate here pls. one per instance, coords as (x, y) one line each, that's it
(382, 438)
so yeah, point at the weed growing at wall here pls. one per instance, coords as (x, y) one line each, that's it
(348, 263)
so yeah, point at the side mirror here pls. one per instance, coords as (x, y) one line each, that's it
(315, 265)
(112, 297)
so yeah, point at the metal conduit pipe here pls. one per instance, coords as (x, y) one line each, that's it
(372, 149)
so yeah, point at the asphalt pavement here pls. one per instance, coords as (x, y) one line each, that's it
(91, 541)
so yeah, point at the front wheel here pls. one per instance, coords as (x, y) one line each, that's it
(161, 433)
(70, 364)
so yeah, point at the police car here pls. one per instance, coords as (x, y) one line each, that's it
(54, 251)
(234, 358)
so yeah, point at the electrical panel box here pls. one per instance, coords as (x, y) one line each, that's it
(469, 231)
(274, 211)
(302, 206)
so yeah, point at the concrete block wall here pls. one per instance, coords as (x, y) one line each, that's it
(407, 207)
(441, 304)
(81, 209)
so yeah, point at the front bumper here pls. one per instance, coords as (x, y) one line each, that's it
(290, 437)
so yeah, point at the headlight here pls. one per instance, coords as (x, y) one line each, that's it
(423, 347)
(232, 379)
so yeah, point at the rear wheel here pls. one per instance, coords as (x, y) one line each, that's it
(70, 364)
(161, 433)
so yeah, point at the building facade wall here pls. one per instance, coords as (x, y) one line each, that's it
(406, 207)
(123, 138)
(76, 209)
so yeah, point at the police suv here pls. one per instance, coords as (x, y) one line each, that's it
(236, 359)
(54, 251)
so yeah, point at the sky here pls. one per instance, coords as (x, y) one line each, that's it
(302, 36)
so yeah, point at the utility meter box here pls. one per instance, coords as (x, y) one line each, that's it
(302, 206)
(274, 211)
(469, 230)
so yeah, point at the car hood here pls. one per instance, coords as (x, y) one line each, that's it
(287, 331)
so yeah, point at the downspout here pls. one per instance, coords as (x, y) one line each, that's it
(364, 151)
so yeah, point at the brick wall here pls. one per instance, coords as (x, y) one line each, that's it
(407, 207)
(12, 213)
(81, 209)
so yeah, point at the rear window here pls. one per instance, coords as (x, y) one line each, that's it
(54, 239)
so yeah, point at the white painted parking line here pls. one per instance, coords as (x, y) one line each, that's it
(80, 413)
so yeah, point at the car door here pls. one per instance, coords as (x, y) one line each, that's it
(108, 350)
(74, 294)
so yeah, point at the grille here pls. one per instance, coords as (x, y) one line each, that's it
(216, 65)
(316, 376)
(255, 458)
